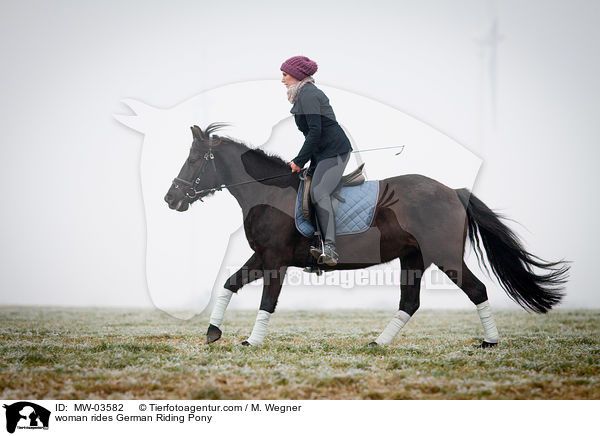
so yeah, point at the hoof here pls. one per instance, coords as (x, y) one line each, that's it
(372, 344)
(485, 344)
(246, 344)
(213, 334)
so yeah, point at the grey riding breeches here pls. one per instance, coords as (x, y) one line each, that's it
(328, 174)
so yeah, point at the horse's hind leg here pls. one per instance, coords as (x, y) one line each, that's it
(410, 287)
(477, 293)
(252, 270)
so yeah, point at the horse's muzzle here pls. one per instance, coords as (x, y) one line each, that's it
(179, 206)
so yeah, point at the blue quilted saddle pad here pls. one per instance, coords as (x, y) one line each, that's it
(355, 215)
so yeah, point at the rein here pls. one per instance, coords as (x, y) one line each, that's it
(192, 192)
(220, 187)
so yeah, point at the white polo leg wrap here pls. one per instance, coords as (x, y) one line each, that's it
(490, 332)
(392, 329)
(221, 303)
(260, 328)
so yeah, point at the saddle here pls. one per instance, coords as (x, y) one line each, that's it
(354, 178)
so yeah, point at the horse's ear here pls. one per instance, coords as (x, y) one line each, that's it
(197, 132)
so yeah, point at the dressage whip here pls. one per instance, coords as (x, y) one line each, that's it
(401, 147)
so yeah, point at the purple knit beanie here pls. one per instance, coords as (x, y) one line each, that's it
(299, 67)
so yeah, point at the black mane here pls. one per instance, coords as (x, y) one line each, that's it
(267, 168)
(271, 158)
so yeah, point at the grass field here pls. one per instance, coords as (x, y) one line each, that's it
(50, 353)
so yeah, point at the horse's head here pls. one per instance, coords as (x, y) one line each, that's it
(198, 175)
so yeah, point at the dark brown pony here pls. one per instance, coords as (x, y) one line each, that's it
(417, 220)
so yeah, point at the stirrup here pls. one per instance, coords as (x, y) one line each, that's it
(329, 256)
(316, 252)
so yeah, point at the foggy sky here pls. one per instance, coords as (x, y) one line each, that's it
(73, 229)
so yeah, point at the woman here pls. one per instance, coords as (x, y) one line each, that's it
(326, 146)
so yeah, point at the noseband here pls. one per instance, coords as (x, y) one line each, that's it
(192, 186)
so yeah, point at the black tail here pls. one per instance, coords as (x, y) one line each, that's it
(510, 262)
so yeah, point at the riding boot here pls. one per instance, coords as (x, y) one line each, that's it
(326, 219)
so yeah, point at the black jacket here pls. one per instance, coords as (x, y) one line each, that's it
(315, 119)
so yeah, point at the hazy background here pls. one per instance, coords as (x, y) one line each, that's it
(522, 94)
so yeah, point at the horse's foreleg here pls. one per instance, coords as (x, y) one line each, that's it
(393, 328)
(252, 270)
(411, 273)
(273, 281)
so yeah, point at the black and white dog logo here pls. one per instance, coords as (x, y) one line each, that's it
(26, 415)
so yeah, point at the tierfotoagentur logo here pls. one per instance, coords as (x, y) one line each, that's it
(26, 415)
(386, 276)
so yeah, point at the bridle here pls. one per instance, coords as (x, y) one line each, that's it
(192, 191)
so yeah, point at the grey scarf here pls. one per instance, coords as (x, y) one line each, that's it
(294, 90)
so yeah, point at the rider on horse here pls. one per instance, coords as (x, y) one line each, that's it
(325, 145)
